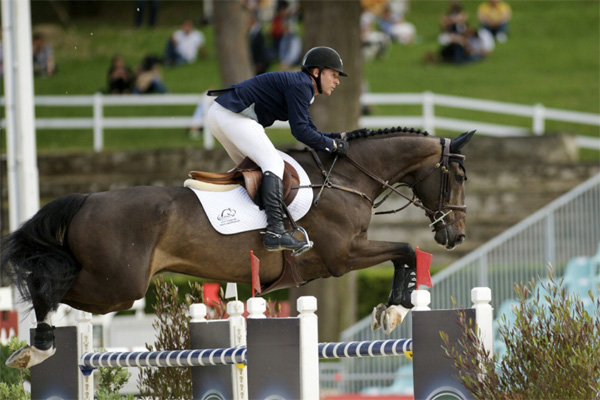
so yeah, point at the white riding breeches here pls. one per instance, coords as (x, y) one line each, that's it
(243, 137)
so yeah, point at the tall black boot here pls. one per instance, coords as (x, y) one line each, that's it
(276, 237)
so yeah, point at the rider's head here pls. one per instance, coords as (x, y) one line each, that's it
(324, 64)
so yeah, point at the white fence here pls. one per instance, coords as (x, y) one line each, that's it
(427, 120)
(566, 228)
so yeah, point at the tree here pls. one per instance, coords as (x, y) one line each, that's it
(231, 23)
(335, 24)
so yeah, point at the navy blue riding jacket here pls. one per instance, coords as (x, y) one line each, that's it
(279, 96)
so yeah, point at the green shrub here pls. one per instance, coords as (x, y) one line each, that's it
(172, 333)
(11, 386)
(552, 349)
(110, 381)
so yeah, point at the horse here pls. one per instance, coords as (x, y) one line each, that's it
(98, 252)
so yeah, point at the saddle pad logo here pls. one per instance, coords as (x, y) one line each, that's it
(227, 217)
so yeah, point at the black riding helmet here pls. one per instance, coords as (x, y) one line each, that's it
(322, 57)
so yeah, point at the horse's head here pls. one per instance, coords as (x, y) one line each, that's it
(442, 193)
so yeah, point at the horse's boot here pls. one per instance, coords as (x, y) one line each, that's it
(276, 237)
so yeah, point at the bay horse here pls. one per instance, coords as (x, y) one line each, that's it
(98, 252)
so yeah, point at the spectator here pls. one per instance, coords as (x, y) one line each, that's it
(479, 44)
(120, 76)
(290, 47)
(198, 117)
(465, 47)
(43, 56)
(258, 50)
(140, 9)
(494, 16)
(149, 77)
(184, 45)
(455, 19)
(396, 27)
(277, 24)
(374, 43)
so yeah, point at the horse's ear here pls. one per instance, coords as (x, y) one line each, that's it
(460, 141)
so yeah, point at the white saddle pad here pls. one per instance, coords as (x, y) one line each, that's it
(233, 211)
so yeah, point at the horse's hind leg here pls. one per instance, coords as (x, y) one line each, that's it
(43, 345)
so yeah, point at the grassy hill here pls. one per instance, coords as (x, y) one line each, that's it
(552, 57)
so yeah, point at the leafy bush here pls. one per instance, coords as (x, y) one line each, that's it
(110, 381)
(552, 349)
(11, 386)
(172, 333)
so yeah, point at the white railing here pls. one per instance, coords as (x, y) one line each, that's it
(566, 228)
(427, 120)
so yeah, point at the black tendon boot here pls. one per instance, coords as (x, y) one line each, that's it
(276, 237)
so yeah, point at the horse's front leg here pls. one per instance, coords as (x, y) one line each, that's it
(389, 316)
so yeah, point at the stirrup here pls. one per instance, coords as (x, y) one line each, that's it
(307, 246)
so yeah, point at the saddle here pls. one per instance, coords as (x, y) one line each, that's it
(248, 175)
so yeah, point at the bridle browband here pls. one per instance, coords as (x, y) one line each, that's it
(436, 217)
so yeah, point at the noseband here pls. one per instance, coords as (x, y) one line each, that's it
(437, 217)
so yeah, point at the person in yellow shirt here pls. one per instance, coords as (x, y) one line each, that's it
(494, 16)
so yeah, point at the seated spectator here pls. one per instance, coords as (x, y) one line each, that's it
(479, 44)
(43, 56)
(120, 76)
(453, 47)
(374, 43)
(184, 45)
(396, 27)
(460, 48)
(455, 19)
(149, 77)
(494, 16)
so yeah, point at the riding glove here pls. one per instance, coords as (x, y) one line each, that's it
(340, 147)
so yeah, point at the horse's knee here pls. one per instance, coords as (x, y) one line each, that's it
(407, 257)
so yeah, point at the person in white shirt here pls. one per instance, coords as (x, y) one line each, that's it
(184, 45)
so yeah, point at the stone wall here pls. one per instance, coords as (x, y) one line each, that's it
(508, 179)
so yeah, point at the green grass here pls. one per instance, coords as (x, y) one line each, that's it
(552, 57)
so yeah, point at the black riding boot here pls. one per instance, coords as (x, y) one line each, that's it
(276, 237)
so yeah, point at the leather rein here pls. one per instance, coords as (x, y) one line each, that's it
(436, 217)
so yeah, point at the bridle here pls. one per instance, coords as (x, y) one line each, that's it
(437, 216)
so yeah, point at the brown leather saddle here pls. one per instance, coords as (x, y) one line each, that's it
(249, 175)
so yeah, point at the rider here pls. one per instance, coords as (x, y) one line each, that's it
(239, 115)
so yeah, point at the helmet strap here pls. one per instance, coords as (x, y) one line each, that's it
(318, 79)
(309, 72)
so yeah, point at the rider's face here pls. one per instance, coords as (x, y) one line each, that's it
(329, 80)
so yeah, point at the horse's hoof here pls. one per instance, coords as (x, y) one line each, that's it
(29, 356)
(376, 316)
(393, 316)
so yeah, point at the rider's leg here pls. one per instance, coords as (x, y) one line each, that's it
(276, 237)
(241, 137)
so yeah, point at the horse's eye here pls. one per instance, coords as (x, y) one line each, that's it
(460, 178)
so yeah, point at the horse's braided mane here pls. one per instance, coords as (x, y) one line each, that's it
(363, 133)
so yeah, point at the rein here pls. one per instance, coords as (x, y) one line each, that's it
(436, 216)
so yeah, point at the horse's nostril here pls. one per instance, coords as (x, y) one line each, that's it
(460, 238)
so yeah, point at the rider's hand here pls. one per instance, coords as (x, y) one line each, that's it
(340, 147)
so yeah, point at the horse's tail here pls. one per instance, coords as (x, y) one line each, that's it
(37, 257)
